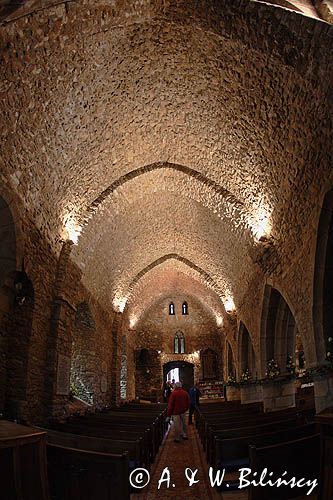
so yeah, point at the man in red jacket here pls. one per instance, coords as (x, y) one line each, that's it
(179, 403)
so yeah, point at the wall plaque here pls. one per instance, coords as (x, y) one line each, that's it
(63, 375)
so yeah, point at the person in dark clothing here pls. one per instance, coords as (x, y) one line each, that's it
(194, 394)
(166, 392)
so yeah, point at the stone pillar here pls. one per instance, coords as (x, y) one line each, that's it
(251, 393)
(233, 393)
(116, 358)
(323, 390)
(58, 363)
(278, 395)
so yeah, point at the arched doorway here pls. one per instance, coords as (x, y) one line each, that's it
(185, 372)
(323, 282)
(247, 358)
(278, 331)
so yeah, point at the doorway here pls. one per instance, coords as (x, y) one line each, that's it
(181, 370)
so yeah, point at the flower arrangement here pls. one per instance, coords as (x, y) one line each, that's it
(246, 376)
(273, 369)
(290, 365)
(231, 379)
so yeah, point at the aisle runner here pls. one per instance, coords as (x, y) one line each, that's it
(177, 457)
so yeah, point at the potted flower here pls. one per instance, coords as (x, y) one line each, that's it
(273, 370)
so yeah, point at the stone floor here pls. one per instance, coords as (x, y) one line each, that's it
(177, 457)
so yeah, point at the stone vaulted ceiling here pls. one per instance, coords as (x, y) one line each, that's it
(165, 136)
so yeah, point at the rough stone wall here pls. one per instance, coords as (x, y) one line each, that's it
(156, 330)
(46, 324)
(92, 354)
(230, 101)
(39, 265)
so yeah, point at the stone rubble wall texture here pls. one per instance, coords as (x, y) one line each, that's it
(157, 328)
(166, 132)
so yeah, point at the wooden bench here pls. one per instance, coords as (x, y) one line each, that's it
(300, 458)
(134, 448)
(300, 416)
(232, 453)
(113, 433)
(85, 475)
(260, 428)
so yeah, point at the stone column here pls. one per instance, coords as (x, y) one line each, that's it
(58, 363)
(278, 395)
(323, 390)
(116, 358)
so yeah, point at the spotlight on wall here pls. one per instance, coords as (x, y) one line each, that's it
(219, 320)
(229, 305)
(261, 225)
(132, 322)
(119, 303)
(72, 231)
(159, 352)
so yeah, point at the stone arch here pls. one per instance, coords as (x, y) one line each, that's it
(231, 369)
(247, 357)
(84, 317)
(17, 301)
(206, 277)
(323, 280)
(203, 180)
(7, 271)
(7, 241)
(278, 330)
(84, 361)
(18, 346)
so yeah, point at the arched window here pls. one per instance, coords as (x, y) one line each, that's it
(172, 309)
(182, 344)
(179, 343)
(184, 308)
(176, 344)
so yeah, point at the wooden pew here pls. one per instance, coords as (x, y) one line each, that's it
(134, 448)
(84, 475)
(240, 431)
(115, 433)
(155, 423)
(232, 453)
(301, 416)
(300, 458)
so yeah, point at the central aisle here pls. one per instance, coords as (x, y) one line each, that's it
(177, 457)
